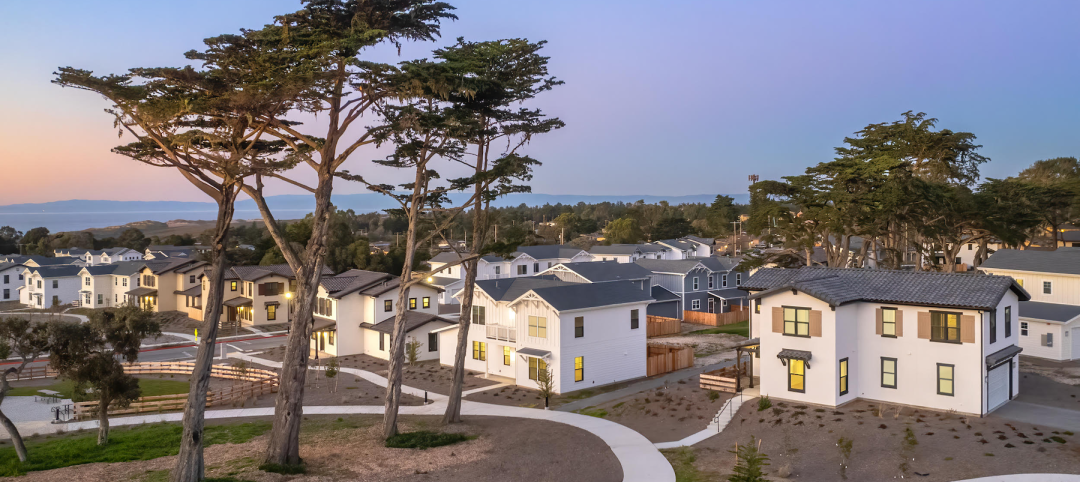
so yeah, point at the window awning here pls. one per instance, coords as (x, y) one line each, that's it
(1001, 356)
(268, 303)
(193, 291)
(142, 292)
(533, 352)
(238, 302)
(324, 325)
(788, 354)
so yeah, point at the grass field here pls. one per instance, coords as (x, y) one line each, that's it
(742, 329)
(150, 387)
(142, 442)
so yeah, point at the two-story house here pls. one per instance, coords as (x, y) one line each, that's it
(158, 282)
(666, 303)
(355, 310)
(11, 279)
(46, 286)
(944, 341)
(107, 285)
(526, 261)
(258, 295)
(587, 334)
(702, 284)
(628, 253)
(1050, 321)
(167, 251)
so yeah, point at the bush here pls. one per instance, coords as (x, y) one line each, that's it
(424, 439)
(764, 403)
(713, 395)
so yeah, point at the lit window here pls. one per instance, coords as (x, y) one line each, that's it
(796, 375)
(945, 379)
(945, 327)
(536, 368)
(797, 321)
(579, 369)
(538, 326)
(843, 376)
(888, 372)
(508, 354)
(479, 350)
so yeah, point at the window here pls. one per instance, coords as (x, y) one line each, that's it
(579, 326)
(1020, 281)
(382, 342)
(888, 322)
(549, 264)
(538, 326)
(695, 304)
(579, 369)
(388, 306)
(508, 354)
(843, 376)
(536, 267)
(536, 367)
(1008, 321)
(796, 376)
(479, 350)
(712, 305)
(738, 279)
(87, 281)
(1023, 328)
(55, 301)
(7, 294)
(100, 299)
(945, 327)
(757, 307)
(20, 277)
(1047, 287)
(125, 281)
(522, 269)
(969, 246)
(251, 289)
(412, 303)
(993, 326)
(695, 283)
(723, 281)
(1048, 339)
(271, 312)
(633, 319)
(945, 379)
(330, 335)
(479, 315)
(432, 342)
(797, 321)
(427, 302)
(55, 284)
(888, 372)
(232, 286)
(710, 282)
(191, 279)
(497, 270)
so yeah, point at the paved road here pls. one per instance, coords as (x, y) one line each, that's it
(1040, 415)
(641, 386)
(187, 352)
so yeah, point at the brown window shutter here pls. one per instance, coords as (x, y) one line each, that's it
(899, 323)
(262, 289)
(967, 329)
(815, 322)
(878, 317)
(924, 325)
(777, 319)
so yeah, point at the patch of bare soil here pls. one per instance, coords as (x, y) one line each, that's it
(666, 414)
(887, 442)
(351, 449)
(178, 322)
(426, 375)
(43, 317)
(513, 396)
(708, 349)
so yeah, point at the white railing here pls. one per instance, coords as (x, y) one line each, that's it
(502, 333)
(495, 276)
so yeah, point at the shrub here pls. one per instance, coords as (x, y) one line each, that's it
(764, 403)
(749, 463)
(713, 395)
(424, 439)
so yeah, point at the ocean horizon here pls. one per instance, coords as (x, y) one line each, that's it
(60, 221)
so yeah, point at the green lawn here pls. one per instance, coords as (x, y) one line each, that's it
(143, 442)
(150, 387)
(742, 329)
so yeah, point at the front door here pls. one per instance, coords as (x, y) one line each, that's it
(232, 314)
(712, 305)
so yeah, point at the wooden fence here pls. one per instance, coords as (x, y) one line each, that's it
(30, 373)
(185, 368)
(723, 380)
(660, 325)
(667, 358)
(716, 319)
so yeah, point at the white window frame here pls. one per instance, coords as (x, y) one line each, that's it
(711, 281)
(696, 284)
(1023, 328)
(738, 279)
(1048, 287)
(695, 304)
(723, 281)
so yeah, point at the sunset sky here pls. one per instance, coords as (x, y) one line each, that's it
(664, 98)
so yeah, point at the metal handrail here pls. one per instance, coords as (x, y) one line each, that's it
(728, 404)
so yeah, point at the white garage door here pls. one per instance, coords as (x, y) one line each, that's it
(1075, 343)
(998, 386)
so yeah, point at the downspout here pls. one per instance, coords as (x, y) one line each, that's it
(982, 366)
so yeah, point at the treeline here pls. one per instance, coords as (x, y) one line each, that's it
(911, 196)
(39, 241)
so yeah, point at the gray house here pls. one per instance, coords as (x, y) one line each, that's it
(702, 284)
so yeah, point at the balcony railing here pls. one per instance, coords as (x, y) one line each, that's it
(495, 276)
(502, 333)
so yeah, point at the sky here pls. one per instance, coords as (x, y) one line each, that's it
(660, 98)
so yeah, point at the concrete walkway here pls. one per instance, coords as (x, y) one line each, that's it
(1027, 478)
(1040, 415)
(641, 386)
(718, 423)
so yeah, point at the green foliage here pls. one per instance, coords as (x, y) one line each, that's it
(424, 439)
(9, 240)
(593, 412)
(749, 464)
(142, 442)
(844, 445)
(545, 382)
(671, 228)
(625, 230)
(682, 461)
(713, 395)
(412, 351)
(150, 387)
(332, 368)
(764, 403)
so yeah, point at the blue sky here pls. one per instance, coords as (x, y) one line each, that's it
(682, 97)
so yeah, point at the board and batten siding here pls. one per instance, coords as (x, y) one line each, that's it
(1065, 288)
(612, 351)
(671, 282)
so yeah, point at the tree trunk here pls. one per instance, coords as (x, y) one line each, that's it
(13, 432)
(103, 420)
(190, 466)
(453, 404)
(397, 337)
(284, 446)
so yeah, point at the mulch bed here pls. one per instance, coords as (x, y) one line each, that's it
(939, 447)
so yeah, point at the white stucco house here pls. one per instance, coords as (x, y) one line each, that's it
(943, 341)
(355, 310)
(11, 280)
(587, 334)
(45, 286)
(1050, 322)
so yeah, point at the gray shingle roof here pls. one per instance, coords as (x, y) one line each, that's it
(7, 266)
(599, 271)
(511, 288)
(1062, 260)
(837, 286)
(445, 257)
(729, 294)
(46, 261)
(443, 280)
(369, 283)
(60, 271)
(413, 320)
(254, 273)
(660, 294)
(720, 263)
(708, 241)
(1048, 311)
(615, 249)
(549, 251)
(681, 266)
(593, 295)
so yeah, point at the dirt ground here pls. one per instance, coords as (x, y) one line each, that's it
(43, 317)
(427, 375)
(939, 447)
(350, 449)
(1061, 372)
(665, 414)
(708, 349)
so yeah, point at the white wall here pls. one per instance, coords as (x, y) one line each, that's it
(612, 351)
(1064, 289)
(13, 283)
(1032, 343)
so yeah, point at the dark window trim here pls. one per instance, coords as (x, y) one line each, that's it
(953, 379)
(1008, 321)
(959, 326)
(847, 378)
(579, 331)
(635, 321)
(789, 375)
(388, 306)
(895, 372)
(894, 310)
(579, 373)
(807, 335)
